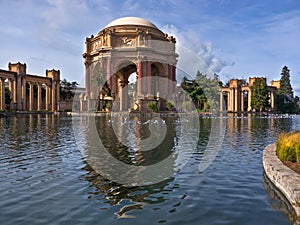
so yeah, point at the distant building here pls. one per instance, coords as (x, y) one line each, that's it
(29, 92)
(237, 96)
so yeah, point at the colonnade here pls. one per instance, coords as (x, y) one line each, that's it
(21, 98)
(236, 94)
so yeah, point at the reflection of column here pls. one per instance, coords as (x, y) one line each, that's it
(24, 93)
(221, 101)
(11, 89)
(2, 90)
(47, 97)
(249, 100)
(39, 97)
(30, 96)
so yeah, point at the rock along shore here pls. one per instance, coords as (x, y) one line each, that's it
(285, 179)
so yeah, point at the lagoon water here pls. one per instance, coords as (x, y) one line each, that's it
(47, 177)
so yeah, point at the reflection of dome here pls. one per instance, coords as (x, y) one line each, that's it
(131, 21)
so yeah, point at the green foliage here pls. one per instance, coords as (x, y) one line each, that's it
(203, 91)
(288, 147)
(67, 89)
(285, 97)
(169, 105)
(285, 83)
(259, 97)
(152, 106)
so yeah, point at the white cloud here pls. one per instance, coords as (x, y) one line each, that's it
(198, 55)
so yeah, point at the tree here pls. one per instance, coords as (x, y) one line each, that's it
(203, 91)
(67, 89)
(285, 96)
(195, 92)
(259, 97)
(211, 90)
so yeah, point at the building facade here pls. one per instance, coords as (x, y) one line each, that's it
(29, 92)
(129, 46)
(237, 96)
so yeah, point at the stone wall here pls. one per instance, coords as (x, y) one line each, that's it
(285, 179)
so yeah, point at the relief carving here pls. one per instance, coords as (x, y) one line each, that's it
(96, 45)
(126, 42)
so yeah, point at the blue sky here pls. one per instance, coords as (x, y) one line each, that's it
(234, 38)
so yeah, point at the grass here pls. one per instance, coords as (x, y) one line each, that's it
(288, 147)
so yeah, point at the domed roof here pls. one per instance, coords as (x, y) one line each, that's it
(131, 21)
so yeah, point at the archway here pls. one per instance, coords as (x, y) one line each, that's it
(127, 46)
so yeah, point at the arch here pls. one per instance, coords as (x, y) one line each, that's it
(125, 46)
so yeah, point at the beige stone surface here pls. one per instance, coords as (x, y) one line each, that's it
(285, 179)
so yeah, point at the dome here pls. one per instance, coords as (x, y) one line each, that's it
(131, 21)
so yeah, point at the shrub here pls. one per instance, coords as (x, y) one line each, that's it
(288, 147)
(170, 105)
(152, 106)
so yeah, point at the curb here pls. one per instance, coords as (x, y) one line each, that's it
(285, 179)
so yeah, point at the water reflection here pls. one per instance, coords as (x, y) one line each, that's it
(279, 201)
(137, 151)
(125, 143)
(128, 198)
(45, 178)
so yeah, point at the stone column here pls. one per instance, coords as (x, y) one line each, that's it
(15, 92)
(24, 94)
(87, 78)
(19, 92)
(109, 76)
(53, 97)
(47, 100)
(221, 101)
(173, 68)
(272, 101)
(236, 100)
(249, 100)
(31, 97)
(120, 91)
(11, 89)
(170, 78)
(232, 100)
(108, 39)
(2, 90)
(39, 97)
(149, 80)
(57, 95)
(140, 75)
(242, 101)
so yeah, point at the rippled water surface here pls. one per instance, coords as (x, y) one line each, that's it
(47, 175)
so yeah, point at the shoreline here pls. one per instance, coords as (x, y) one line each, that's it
(285, 179)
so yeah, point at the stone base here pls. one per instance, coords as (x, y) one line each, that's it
(285, 179)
